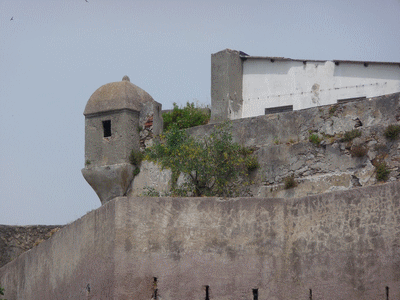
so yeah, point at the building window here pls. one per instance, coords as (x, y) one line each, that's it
(278, 109)
(107, 128)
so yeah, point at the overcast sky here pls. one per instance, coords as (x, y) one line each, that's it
(55, 53)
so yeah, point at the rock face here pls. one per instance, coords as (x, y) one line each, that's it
(332, 162)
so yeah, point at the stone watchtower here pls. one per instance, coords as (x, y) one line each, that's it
(114, 115)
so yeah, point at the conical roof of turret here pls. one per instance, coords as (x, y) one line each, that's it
(116, 96)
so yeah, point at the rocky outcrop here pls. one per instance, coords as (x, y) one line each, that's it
(15, 240)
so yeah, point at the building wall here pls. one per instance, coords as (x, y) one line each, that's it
(244, 86)
(226, 85)
(341, 245)
(286, 82)
(100, 150)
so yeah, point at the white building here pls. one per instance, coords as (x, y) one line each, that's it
(245, 86)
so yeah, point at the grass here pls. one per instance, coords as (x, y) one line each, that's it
(382, 172)
(150, 192)
(392, 132)
(315, 139)
(136, 157)
(289, 182)
(351, 135)
(251, 163)
(136, 171)
(358, 151)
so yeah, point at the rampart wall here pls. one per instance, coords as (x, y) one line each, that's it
(339, 245)
(283, 149)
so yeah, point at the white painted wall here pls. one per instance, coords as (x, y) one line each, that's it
(270, 84)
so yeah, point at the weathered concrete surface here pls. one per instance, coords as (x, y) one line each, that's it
(341, 245)
(150, 176)
(111, 181)
(226, 85)
(115, 149)
(15, 240)
(63, 266)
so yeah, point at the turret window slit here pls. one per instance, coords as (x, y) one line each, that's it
(107, 128)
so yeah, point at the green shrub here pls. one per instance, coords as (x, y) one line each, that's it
(189, 116)
(214, 165)
(350, 135)
(382, 171)
(136, 157)
(358, 151)
(315, 139)
(251, 163)
(392, 132)
(87, 163)
(289, 182)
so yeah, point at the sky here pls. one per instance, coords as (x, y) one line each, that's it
(55, 53)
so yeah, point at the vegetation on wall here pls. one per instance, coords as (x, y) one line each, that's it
(213, 165)
(382, 171)
(351, 135)
(188, 116)
(289, 182)
(135, 159)
(358, 151)
(315, 139)
(2, 292)
(392, 132)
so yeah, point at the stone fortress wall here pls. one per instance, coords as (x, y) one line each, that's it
(339, 245)
(283, 149)
(334, 236)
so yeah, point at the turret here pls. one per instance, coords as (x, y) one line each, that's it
(113, 116)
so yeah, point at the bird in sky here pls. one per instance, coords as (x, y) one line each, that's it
(12, 18)
(87, 1)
